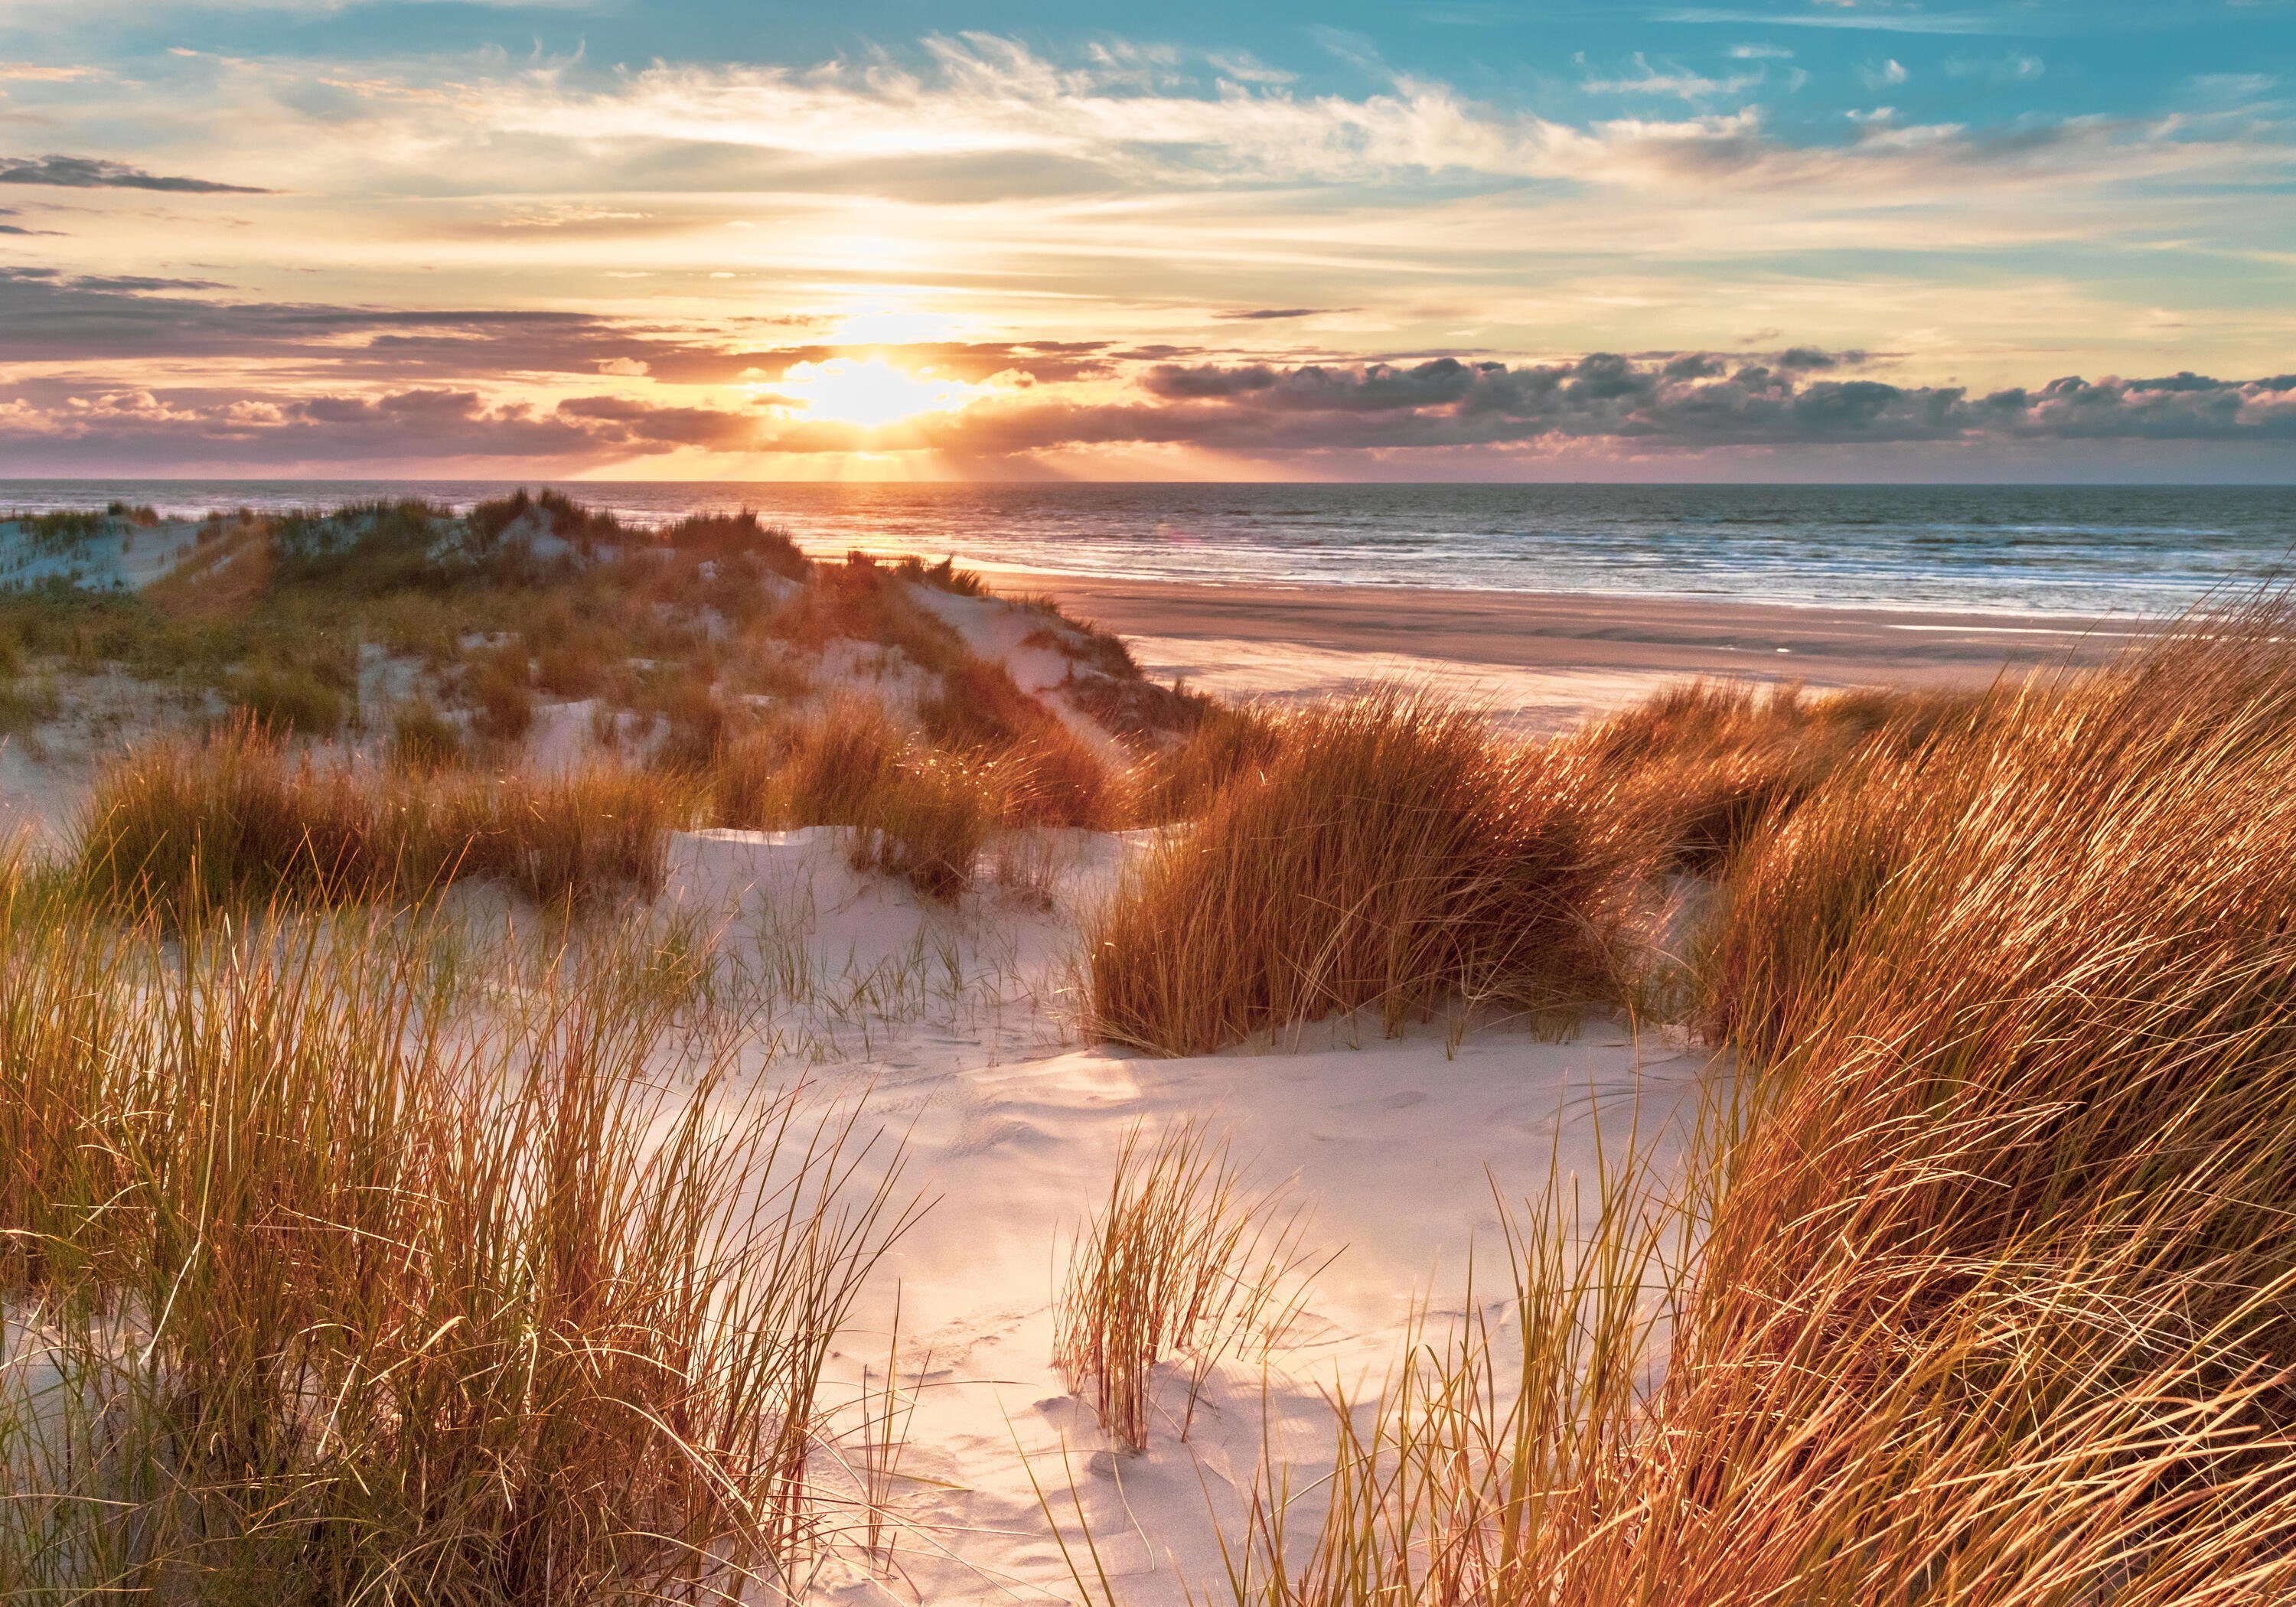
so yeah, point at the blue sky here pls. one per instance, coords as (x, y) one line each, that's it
(1801, 239)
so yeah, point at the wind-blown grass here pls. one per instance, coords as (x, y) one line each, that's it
(1995, 1299)
(188, 827)
(1181, 1258)
(1390, 853)
(318, 1290)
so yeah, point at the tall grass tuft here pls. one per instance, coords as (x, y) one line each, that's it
(908, 811)
(1701, 767)
(1228, 742)
(1180, 1258)
(927, 822)
(1392, 853)
(186, 828)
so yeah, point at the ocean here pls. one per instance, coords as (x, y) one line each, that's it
(2018, 549)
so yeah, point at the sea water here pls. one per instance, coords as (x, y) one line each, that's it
(2023, 549)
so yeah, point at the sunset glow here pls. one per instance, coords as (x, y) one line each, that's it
(1847, 241)
(867, 391)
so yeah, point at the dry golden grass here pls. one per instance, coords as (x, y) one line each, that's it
(1993, 1297)
(1698, 767)
(927, 821)
(186, 828)
(909, 811)
(1392, 855)
(323, 1291)
(1047, 775)
(1228, 742)
(1181, 1258)
(422, 739)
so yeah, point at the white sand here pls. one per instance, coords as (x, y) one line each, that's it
(1011, 1129)
(1537, 701)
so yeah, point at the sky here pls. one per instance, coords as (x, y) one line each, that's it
(1855, 240)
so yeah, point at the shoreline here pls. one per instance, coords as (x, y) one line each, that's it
(1545, 659)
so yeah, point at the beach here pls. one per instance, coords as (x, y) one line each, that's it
(1376, 1013)
(1543, 661)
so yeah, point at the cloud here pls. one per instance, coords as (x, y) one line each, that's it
(1899, 22)
(92, 321)
(34, 72)
(1665, 403)
(89, 173)
(1686, 400)
(2018, 67)
(1647, 79)
(69, 426)
(1263, 313)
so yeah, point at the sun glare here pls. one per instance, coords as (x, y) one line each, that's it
(869, 391)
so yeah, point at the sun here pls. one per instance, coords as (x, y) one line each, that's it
(869, 391)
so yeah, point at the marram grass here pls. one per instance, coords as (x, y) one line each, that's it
(319, 1290)
(1988, 1293)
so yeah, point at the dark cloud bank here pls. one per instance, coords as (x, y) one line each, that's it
(352, 386)
(88, 173)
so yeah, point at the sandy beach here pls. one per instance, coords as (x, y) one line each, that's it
(1542, 661)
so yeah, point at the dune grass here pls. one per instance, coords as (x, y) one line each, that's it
(1987, 1295)
(1391, 855)
(1227, 742)
(1182, 1257)
(908, 811)
(319, 1290)
(1699, 768)
(188, 827)
(913, 810)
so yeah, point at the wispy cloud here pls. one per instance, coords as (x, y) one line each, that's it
(1883, 21)
(2017, 67)
(1647, 79)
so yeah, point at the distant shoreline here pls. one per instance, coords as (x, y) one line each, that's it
(1547, 660)
(1584, 631)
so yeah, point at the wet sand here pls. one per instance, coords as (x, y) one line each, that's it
(1543, 659)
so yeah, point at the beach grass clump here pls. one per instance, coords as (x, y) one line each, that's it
(981, 705)
(290, 698)
(1181, 1258)
(1051, 777)
(322, 1290)
(422, 739)
(186, 828)
(823, 769)
(862, 600)
(910, 809)
(190, 826)
(1225, 742)
(942, 577)
(1700, 766)
(562, 837)
(498, 684)
(1392, 855)
(927, 822)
